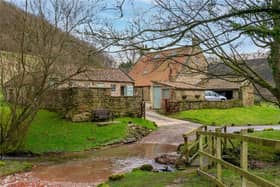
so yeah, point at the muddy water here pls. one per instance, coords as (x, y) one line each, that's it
(98, 165)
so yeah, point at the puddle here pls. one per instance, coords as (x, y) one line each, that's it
(99, 165)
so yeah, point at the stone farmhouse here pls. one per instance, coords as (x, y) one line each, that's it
(176, 75)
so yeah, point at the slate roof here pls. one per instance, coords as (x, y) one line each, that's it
(104, 74)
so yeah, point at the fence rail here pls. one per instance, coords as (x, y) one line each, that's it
(191, 143)
(213, 142)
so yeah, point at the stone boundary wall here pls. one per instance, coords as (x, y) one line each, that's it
(77, 104)
(177, 106)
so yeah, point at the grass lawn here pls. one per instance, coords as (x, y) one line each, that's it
(264, 114)
(274, 134)
(50, 133)
(10, 167)
(187, 179)
(154, 179)
(265, 153)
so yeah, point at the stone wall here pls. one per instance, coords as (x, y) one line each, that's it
(57, 100)
(170, 106)
(144, 92)
(84, 101)
(247, 95)
(189, 95)
(77, 104)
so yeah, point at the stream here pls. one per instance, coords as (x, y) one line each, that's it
(94, 167)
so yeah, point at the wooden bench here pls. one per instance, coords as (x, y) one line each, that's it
(102, 115)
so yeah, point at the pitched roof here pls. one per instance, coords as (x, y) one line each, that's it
(160, 66)
(220, 84)
(209, 84)
(104, 74)
(180, 85)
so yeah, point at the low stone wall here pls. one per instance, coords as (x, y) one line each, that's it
(84, 101)
(56, 100)
(177, 106)
(77, 104)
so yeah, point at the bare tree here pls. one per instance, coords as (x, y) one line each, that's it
(47, 46)
(221, 28)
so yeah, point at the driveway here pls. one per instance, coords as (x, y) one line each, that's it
(170, 130)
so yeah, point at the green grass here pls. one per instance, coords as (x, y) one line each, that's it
(274, 134)
(10, 167)
(265, 153)
(189, 179)
(264, 114)
(50, 133)
(154, 179)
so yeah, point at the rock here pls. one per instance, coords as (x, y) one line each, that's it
(168, 159)
(116, 177)
(129, 140)
(135, 133)
(146, 167)
(167, 169)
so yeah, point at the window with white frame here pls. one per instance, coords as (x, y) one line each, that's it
(113, 88)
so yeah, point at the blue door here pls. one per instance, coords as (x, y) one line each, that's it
(156, 97)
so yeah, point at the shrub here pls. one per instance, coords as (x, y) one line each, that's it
(116, 177)
(146, 167)
(250, 130)
(268, 129)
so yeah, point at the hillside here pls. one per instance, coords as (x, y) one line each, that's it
(76, 51)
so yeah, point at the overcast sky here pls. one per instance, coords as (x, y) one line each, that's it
(134, 8)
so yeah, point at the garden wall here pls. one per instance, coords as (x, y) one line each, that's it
(177, 106)
(77, 104)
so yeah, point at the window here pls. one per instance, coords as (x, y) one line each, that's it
(174, 53)
(99, 85)
(145, 71)
(113, 88)
(71, 83)
(87, 84)
(184, 97)
(157, 56)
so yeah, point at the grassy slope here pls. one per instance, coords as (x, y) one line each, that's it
(255, 115)
(50, 133)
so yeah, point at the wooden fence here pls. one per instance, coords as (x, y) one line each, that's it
(191, 140)
(210, 146)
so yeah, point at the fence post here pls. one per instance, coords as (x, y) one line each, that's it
(219, 154)
(186, 140)
(201, 149)
(244, 157)
(206, 137)
(211, 149)
(225, 131)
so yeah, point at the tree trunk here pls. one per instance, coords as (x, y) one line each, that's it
(275, 51)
